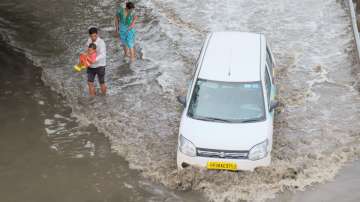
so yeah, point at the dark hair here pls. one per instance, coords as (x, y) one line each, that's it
(93, 30)
(92, 45)
(130, 5)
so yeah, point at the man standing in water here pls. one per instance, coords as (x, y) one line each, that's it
(98, 67)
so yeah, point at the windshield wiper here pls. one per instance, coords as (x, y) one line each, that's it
(214, 119)
(250, 120)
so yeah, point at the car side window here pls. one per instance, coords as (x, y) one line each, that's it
(269, 60)
(268, 84)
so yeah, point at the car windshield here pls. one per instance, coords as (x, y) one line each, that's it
(227, 101)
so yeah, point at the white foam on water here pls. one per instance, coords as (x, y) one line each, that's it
(89, 144)
(51, 131)
(129, 186)
(79, 156)
(58, 116)
(54, 147)
(48, 121)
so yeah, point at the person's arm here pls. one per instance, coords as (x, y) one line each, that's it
(132, 25)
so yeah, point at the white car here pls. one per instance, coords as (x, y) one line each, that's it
(227, 122)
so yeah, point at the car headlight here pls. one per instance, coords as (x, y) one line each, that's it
(259, 151)
(186, 147)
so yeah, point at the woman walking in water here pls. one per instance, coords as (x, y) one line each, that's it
(125, 22)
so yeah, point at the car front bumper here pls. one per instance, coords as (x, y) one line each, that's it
(242, 164)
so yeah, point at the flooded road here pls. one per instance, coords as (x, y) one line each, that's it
(47, 155)
(344, 188)
(316, 129)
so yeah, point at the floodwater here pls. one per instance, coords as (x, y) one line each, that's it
(316, 129)
(47, 155)
(343, 188)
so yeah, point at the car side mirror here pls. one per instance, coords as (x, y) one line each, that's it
(181, 100)
(273, 105)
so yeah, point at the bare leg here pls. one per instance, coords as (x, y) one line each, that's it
(132, 54)
(126, 51)
(91, 89)
(103, 88)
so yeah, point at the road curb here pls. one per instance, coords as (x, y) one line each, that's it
(355, 27)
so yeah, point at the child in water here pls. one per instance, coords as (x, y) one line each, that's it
(86, 58)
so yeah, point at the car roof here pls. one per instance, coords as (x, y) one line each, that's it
(232, 57)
